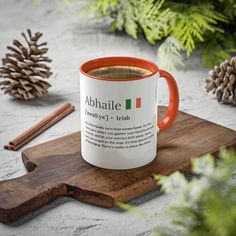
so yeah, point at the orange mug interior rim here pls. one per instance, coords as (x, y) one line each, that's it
(118, 61)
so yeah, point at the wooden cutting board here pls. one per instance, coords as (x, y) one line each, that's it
(56, 168)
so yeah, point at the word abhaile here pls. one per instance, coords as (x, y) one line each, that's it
(109, 105)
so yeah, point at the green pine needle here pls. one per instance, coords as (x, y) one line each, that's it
(193, 23)
(183, 25)
(169, 54)
(205, 205)
(178, 26)
(135, 210)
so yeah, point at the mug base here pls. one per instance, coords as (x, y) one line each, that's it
(127, 167)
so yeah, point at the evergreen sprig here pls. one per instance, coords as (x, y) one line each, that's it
(205, 205)
(177, 27)
(168, 53)
(147, 16)
(185, 25)
(193, 22)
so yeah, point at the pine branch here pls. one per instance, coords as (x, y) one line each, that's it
(191, 25)
(144, 15)
(153, 19)
(218, 48)
(168, 54)
(103, 7)
(207, 204)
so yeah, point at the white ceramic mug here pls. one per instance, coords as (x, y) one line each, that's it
(119, 116)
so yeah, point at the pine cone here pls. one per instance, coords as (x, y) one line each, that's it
(24, 67)
(223, 81)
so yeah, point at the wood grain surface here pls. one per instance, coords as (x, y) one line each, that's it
(56, 168)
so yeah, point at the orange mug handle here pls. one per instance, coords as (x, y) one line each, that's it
(173, 101)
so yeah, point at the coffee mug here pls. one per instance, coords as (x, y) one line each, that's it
(118, 101)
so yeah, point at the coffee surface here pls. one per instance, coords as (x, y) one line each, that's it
(119, 72)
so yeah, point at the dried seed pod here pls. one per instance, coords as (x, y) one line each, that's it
(25, 68)
(226, 80)
(217, 82)
(219, 95)
(225, 95)
(222, 81)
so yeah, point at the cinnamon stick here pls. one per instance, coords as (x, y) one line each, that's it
(39, 127)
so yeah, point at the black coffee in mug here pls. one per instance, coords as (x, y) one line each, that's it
(119, 72)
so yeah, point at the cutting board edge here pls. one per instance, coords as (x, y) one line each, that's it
(145, 183)
(134, 190)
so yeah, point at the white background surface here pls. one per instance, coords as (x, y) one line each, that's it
(71, 43)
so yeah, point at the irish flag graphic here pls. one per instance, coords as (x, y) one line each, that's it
(133, 103)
